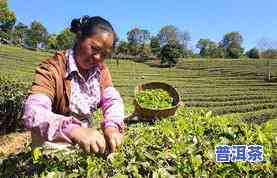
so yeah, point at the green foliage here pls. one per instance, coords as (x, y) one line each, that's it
(11, 97)
(122, 48)
(181, 146)
(234, 51)
(155, 45)
(19, 34)
(231, 42)
(269, 54)
(7, 17)
(134, 48)
(145, 50)
(138, 36)
(167, 33)
(210, 49)
(5, 35)
(154, 98)
(171, 52)
(52, 42)
(37, 34)
(218, 52)
(172, 33)
(7, 20)
(65, 39)
(253, 53)
(232, 38)
(187, 53)
(207, 47)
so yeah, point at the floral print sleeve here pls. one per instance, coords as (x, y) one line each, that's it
(38, 116)
(112, 107)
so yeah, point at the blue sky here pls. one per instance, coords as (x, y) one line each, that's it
(254, 19)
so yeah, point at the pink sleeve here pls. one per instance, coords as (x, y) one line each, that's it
(38, 115)
(112, 107)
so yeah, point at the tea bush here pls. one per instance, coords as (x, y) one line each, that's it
(181, 146)
(11, 98)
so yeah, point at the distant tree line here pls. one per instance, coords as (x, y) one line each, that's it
(33, 36)
(168, 45)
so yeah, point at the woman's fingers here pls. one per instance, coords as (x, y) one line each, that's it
(86, 147)
(118, 139)
(115, 141)
(112, 143)
(113, 137)
(94, 147)
(97, 143)
(101, 145)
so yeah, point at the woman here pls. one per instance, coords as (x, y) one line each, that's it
(71, 85)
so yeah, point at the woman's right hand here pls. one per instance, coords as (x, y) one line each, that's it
(89, 139)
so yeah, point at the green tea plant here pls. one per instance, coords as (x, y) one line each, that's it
(154, 98)
(179, 146)
(12, 94)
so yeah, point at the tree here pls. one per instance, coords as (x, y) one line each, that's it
(37, 34)
(231, 39)
(171, 52)
(231, 42)
(65, 39)
(234, 51)
(218, 52)
(267, 48)
(52, 42)
(7, 20)
(206, 47)
(269, 54)
(122, 48)
(170, 32)
(138, 36)
(133, 48)
(167, 33)
(187, 53)
(155, 45)
(253, 53)
(19, 34)
(145, 50)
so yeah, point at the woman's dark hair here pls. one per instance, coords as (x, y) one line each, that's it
(88, 26)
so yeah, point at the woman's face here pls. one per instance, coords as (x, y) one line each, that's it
(94, 49)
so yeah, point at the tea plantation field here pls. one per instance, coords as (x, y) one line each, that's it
(224, 86)
(225, 102)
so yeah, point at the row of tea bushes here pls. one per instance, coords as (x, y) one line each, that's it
(179, 146)
(12, 94)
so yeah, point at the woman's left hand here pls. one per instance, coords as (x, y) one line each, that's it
(113, 138)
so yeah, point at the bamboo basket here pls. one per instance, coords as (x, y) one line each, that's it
(153, 114)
